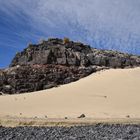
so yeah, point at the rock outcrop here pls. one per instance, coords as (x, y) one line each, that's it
(55, 62)
(37, 77)
(55, 51)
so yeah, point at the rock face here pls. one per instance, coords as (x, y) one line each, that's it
(37, 77)
(54, 51)
(56, 62)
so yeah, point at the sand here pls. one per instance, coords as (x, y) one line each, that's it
(108, 94)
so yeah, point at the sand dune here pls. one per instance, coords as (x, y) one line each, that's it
(111, 93)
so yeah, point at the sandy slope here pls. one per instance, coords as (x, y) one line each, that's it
(106, 94)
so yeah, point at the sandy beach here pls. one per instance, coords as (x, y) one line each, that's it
(108, 94)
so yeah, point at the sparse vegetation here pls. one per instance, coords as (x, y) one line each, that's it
(66, 40)
(28, 123)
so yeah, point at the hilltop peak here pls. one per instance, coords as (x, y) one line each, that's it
(58, 61)
(69, 53)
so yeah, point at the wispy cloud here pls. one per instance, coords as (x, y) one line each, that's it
(110, 24)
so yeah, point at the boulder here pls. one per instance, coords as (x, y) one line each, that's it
(82, 116)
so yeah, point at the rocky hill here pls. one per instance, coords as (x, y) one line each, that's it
(55, 62)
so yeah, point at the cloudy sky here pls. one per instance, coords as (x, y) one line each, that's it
(106, 24)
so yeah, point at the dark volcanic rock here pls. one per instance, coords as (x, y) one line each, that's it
(82, 116)
(94, 132)
(55, 62)
(37, 77)
(53, 51)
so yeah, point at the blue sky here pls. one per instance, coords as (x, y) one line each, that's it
(105, 24)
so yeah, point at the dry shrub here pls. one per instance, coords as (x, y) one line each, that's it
(66, 40)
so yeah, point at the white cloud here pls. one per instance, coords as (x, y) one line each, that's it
(105, 23)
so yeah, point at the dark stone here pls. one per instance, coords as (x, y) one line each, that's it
(55, 62)
(89, 132)
(49, 86)
(55, 52)
(82, 116)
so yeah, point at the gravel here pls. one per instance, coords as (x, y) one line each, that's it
(94, 132)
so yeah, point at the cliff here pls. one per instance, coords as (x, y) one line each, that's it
(55, 62)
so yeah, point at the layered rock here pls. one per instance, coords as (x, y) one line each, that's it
(21, 79)
(56, 62)
(55, 51)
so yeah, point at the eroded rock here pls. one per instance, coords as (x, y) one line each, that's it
(55, 62)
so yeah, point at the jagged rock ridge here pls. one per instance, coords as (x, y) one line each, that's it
(55, 51)
(56, 62)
